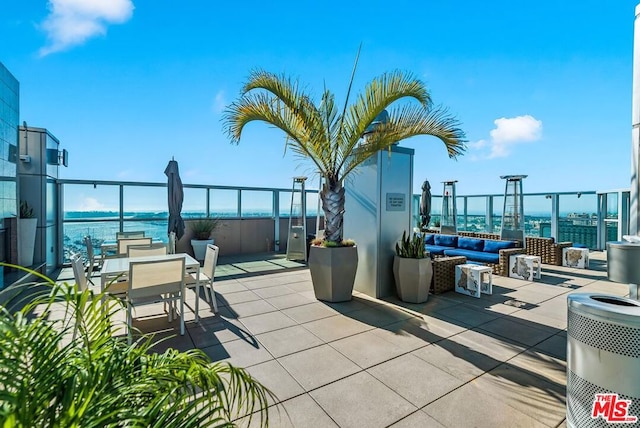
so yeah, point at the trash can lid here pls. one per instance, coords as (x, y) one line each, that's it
(610, 307)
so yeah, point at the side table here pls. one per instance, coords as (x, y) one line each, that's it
(469, 280)
(523, 266)
(575, 257)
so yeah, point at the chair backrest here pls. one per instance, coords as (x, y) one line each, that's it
(78, 271)
(210, 261)
(123, 244)
(89, 244)
(172, 243)
(154, 249)
(152, 278)
(131, 234)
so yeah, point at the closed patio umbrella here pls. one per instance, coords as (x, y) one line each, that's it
(175, 197)
(425, 205)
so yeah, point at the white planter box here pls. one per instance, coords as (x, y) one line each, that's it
(26, 240)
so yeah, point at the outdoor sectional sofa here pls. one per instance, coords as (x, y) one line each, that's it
(494, 253)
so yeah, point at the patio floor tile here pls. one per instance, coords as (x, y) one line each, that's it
(414, 379)
(241, 353)
(366, 349)
(310, 312)
(288, 340)
(336, 327)
(362, 401)
(270, 321)
(318, 366)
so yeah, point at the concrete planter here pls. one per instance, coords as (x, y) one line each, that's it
(413, 278)
(333, 272)
(200, 247)
(26, 240)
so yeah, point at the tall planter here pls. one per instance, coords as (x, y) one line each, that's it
(26, 240)
(333, 272)
(413, 278)
(200, 247)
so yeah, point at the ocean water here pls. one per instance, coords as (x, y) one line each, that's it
(102, 226)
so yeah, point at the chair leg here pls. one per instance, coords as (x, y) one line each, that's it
(213, 298)
(182, 313)
(129, 322)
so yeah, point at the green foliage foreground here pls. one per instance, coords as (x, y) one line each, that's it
(61, 366)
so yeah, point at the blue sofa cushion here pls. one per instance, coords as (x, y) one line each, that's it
(446, 240)
(428, 238)
(491, 246)
(436, 249)
(472, 244)
(474, 256)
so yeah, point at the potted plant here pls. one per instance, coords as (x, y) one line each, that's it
(27, 227)
(202, 230)
(412, 269)
(332, 138)
(333, 272)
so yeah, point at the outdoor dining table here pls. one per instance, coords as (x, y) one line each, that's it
(112, 268)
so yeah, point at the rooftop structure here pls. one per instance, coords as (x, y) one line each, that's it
(454, 361)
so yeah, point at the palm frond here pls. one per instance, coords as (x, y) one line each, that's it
(64, 367)
(410, 121)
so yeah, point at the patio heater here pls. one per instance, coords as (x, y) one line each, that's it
(297, 240)
(448, 219)
(513, 211)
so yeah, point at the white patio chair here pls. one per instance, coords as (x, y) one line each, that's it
(206, 274)
(130, 234)
(153, 282)
(78, 271)
(126, 242)
(92, 263)
(172, 243)
(156, 249)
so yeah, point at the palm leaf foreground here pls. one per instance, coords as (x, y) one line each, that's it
(61, 366)
(331, 138)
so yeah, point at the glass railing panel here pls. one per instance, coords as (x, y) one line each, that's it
(496, 215)
(145, 202)
(285, 204)
(578, 219)
(223, 203)
(476, 209)
(314, 205)
(258, 203)
(74, 233)
(537, 215)
(84, 201)
(194, 204)
(612, 206)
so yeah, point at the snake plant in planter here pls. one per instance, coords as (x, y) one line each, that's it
(412, 269)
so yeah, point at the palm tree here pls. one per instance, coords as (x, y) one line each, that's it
(330, 138)
(61, 366)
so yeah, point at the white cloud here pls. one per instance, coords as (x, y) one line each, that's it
(91, 204)
(508, 133)
(72, 22)
(219, 102)
(478, 144)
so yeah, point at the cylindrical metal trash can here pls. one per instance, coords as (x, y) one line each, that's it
(603, 357)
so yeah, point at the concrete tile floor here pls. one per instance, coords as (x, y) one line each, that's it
(454, 361)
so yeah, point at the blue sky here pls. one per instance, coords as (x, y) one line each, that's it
(542, 88)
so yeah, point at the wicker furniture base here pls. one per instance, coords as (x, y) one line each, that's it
(549, 251)
(444, 273)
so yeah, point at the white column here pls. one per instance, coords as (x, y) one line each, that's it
(634, 220)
